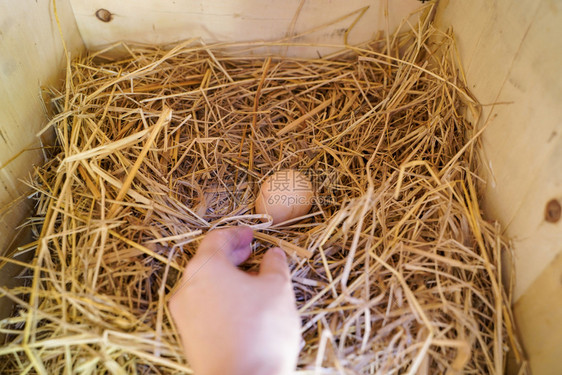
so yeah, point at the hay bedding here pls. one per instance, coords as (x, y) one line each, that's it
(394, 269)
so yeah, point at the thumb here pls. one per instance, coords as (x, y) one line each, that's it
(274, 262)
(230, 243)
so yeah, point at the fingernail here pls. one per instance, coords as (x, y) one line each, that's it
(244, 234)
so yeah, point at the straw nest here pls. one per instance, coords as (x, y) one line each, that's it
(395, 270)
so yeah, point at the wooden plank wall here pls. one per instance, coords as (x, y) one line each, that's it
(512, 55)
(236, 21)
(31, 57)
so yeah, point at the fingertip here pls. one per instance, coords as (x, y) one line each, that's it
(245, 234)
(241, 249)
(232, 243)
(275, 262)
(277, 251)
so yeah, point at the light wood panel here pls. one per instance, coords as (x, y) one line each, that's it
(31, 56)
(512, 54)
(166, 21)
(543, 303)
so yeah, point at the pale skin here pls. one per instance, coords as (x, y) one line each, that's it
(232, 322)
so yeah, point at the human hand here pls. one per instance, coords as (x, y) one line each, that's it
(232, 322)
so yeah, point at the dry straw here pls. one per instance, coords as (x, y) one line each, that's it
(395, 270)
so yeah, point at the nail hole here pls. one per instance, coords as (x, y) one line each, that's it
(104, 15)
(553, 211)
